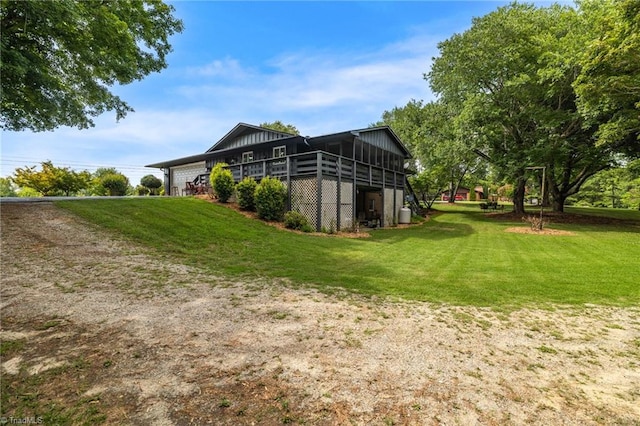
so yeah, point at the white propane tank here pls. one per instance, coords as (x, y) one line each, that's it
(405, 215)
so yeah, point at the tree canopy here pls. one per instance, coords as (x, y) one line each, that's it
(151, 183)
(513, 80)
(444, 157)
(59, 58)
(6, 188)
(51, 180)
(608, 86)
(279, 126)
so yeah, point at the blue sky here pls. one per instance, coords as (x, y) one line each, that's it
(322, 66)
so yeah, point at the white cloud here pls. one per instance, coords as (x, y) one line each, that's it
(317, 91)
(220, 68)
(324, 85)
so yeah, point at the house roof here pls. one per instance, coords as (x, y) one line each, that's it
(183, 160)
(254, 135)
(243, 129)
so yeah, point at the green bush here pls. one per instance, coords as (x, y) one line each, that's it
(270, 198)
(221, 180)
(295, 220)
(245, 191)
(116, 184)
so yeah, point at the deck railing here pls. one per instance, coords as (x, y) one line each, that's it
(309, 163)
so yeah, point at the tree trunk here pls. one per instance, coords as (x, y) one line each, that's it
(452, 195)
(518, 196)
(558, 202)
(558, 197)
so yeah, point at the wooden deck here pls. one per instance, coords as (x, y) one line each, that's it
(319, 163)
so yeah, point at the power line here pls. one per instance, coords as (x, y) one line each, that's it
(20, 161)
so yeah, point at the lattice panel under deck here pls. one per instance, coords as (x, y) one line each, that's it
(329, 210)
(304, 193)
(346, 205)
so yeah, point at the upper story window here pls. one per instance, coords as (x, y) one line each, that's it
(279, 151)
(247, 156)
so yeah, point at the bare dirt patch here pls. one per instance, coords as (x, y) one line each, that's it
(565, 218)
(543, 231)
(96, 330)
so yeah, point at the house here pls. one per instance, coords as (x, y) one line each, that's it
(335, 180)
(464, 194)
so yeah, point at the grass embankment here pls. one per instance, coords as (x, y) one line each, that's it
(459, 257)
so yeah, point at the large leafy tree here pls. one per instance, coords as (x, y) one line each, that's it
(568, 145)
(487, 74)
(608, 85)
(59, 58)
(51, 180)
(511, 77)
(444, 156)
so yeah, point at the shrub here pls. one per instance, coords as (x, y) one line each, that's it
(270, 198)
(295, 220)
(245, 191)
(221, 180)
(142, 190)
(536, 222)
(152, 184)
(116, 184)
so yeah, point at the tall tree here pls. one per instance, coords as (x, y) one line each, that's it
(488, 74)
(59, 58)
(608, 86)
(511, 76)
(443, 155)
(568, 146)
(406, 122)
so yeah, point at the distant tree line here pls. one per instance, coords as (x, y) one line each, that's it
(49, 180)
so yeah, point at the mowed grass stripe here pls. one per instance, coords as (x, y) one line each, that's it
(459, 257)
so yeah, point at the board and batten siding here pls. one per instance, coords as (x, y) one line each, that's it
(381, 139)
(251, 139)
(180, 175)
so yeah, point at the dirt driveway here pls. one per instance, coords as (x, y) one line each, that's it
(98, 330)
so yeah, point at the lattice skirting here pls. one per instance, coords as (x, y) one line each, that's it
(329, 209)
(346, 206)
(304, 199)
(304, 194)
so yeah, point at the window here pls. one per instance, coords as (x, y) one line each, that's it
(247, 156)
(279, 151)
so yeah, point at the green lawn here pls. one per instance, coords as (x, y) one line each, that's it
(459, 257)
